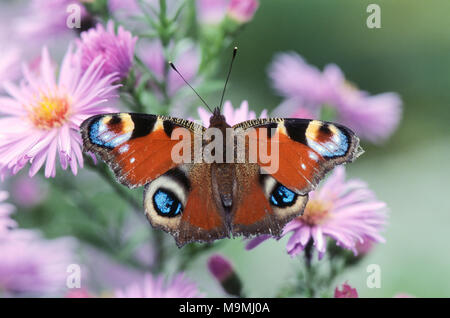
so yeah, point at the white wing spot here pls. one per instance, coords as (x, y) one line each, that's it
(124, 148)
(132, 160)
(313, 156)
(303, 166)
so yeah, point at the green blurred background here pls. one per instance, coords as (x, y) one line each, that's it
(410, 55)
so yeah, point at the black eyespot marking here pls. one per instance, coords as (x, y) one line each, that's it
(168, 127)
(166, 203)
(115, 120)
(325, 129)
(143, 124)
(296, 129)
(282, 197)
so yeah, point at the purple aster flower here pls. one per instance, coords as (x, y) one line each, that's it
(346, 291)
(242, 10)
(42, 116)
(187, 59)
(31, 264)
(293, 77)
(233, 116)
(156, 287)
(47, 18)
(6, 223)
(373, 118)
(117, 50)
(211, 11)
(345, 211)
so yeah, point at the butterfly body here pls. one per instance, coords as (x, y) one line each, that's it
(204, 200)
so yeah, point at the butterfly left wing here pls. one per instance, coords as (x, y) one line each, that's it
(137, 147)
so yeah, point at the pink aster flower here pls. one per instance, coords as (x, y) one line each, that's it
(187, 60)
(46, 18)
(156, 287)
(211, 11)
(346, 291)
(42, 115)
(345, 211)
(293, 77)
(372, 117)
(233, 116)
(117, 50)
(242, 10)
(31, 264)
(6, 223)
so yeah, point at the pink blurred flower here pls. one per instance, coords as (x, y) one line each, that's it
(346, 292)
(124, 6)
(373, 118)
(9, 64)
(42, 115)
(242, 10)
(117, 50)
(294, 108)
(233, 116)
(404, 295)
(6, 223)
(211, 11)
(78, 293)
(46, 18)
(156, 287)
(346, 211)
(31, 264)
(28, 192)
(293, 77)
(187, 61)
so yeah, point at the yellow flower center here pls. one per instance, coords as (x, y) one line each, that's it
(316, 212)
(50, 111)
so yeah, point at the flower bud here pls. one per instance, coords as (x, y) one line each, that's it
(223, 271)
(346, 292)
(242, 11)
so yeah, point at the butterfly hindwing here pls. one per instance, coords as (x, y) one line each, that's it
(181, 202)
(263, 205)
(137, 147)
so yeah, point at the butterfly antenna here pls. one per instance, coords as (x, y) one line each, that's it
(203, 101)
(228, 76)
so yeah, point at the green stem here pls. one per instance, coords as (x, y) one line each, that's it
(102, 170)
(309, 270)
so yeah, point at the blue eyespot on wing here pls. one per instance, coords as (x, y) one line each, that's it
(282, 196)
(166, 203)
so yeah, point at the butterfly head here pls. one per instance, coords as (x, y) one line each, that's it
(218, 120)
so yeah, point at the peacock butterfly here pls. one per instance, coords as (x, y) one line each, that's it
(205, 200)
